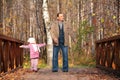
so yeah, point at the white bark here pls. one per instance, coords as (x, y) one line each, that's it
(49, 39)
(92, 36)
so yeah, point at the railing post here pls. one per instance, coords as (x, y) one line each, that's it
(0, 55)
(108, 54)
(11, 56)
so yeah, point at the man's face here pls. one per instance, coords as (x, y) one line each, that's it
(60, 17)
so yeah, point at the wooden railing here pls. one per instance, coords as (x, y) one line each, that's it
(11, 56)
(108, 54)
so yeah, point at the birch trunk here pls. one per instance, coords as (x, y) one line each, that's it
(47, 26)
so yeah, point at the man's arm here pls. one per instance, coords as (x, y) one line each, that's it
(53, 32)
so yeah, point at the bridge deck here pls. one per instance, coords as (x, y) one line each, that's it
(73, 74)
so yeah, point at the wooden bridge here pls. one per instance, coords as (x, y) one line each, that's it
(107, 54)
(11, 56)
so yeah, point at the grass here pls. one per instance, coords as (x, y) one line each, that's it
(41, 64)
(81, 61)
(85, 60)
(26, 63)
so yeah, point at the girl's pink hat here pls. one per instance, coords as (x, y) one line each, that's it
(31, 40)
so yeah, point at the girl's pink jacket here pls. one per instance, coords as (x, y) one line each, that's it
(33, 53)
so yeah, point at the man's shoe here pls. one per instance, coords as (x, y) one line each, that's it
(54, 71)
(65, 70)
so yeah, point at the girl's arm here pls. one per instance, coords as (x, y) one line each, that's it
(41, 45)
(24, 46)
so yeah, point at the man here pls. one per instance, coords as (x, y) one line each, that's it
(60, 32)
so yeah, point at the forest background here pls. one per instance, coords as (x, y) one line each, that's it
(90, 19)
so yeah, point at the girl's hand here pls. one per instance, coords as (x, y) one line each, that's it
(20, 46)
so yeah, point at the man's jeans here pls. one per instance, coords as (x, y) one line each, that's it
(55, 57)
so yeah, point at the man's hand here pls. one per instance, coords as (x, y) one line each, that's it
(55, 40)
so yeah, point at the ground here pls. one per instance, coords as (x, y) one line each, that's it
(47, 74)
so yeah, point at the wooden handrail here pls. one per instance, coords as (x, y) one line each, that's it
(108, 54)
(11, 56)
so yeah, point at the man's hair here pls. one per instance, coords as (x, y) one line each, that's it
(58, 14)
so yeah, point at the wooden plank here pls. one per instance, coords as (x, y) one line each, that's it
(117, 37)
(117, 54)
(21, 55)
(5, 62)
(15, 59)
(18, 55)
(3, 37)
(109, 70)
(108, 54)
(2, 67)
(10, 57)
(0, 56)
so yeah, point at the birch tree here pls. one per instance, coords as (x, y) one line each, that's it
(47, 26)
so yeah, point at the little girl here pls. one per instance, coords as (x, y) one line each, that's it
(34, 52)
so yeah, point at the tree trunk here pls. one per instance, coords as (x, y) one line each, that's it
(49, 39)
